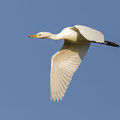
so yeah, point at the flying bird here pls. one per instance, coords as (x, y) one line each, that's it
(65, 62)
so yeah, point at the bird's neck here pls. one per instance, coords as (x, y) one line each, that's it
(55, 36)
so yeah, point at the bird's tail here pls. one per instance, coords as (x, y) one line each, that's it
(109, 43)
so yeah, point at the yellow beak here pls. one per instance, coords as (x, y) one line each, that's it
(33, 36)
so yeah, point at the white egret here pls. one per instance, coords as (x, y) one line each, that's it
(65, 62)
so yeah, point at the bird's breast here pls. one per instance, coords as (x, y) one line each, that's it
(72, 35)
(69, 34)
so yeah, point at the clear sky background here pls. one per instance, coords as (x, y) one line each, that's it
(94, 92)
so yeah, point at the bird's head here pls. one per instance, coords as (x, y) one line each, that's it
(41, 35)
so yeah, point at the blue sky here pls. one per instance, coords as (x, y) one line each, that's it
(94, 92)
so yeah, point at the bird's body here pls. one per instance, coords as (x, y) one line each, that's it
(65, 62)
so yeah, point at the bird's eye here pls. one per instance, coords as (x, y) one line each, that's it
(39, 34)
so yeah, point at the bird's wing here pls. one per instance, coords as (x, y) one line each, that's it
(90, 34)
(63, 65)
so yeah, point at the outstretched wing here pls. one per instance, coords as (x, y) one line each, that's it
(90, 34)
(63, 65)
